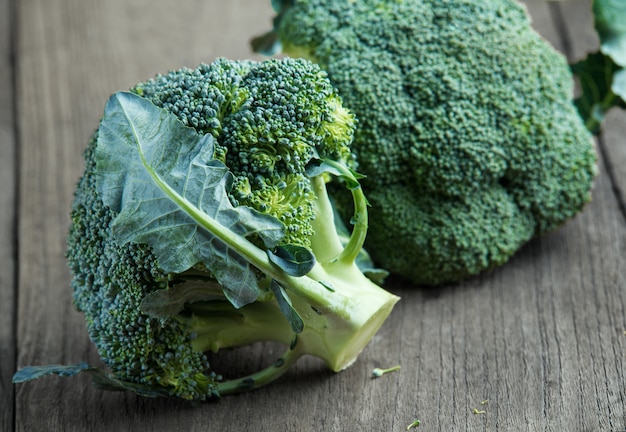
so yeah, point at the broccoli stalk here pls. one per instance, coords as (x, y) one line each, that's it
(340, 308)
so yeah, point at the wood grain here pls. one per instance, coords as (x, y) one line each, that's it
(541, 339)
(8, 215)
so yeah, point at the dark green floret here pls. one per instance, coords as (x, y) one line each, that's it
(467, 132)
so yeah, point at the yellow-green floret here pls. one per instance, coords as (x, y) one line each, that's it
(467, 132)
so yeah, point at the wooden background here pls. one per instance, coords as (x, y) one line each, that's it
(543, 339)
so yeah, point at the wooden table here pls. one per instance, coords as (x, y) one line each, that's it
(542, 339)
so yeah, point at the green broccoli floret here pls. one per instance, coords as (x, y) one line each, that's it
(467, 132)
(202, 222)
(269, 121)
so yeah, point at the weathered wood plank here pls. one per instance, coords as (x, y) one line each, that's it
(613, 147)
(53, 124)
(8, 217)
(541, 339)
(543, 21)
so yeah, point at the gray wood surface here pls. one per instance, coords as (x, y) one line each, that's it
(542, 339)
(8, 212)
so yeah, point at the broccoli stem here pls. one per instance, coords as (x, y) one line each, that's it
(338, 323)
(325, 244)
(598, 111)
(359, 221)
(359, 232)
(220, 325)
(264, 376)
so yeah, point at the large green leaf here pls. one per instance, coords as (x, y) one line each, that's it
(170, 194)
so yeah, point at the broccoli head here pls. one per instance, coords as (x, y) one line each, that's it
(467, 132)
(202, 222)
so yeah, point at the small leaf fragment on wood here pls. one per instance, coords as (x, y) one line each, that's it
(415, 424)
(378, 372)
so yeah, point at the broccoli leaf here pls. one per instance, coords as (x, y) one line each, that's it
(294, 260)
(280, 5)
(320, 166)
(601, 74)
(284, 303)
(610, 23)
(619, 85)
(172, 195)
(166, 303)
(33, 372)
(100, 378)
(600, 90)
(266, 44)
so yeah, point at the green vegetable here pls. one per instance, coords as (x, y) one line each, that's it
(202, 222)
(467, 132)
(602, 74)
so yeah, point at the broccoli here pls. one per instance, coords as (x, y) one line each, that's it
(202, 222)
(467, 134)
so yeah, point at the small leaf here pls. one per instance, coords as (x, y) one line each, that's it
(280, 6)
(293, 260)
(610, 23)
(286, 307)
(329, 286)
(266, 44)
(166, 303)
(269, 43)
(619, 86)
(100, 378)
(317, 167)
(596, 75)
(321, 166)
(30, 373)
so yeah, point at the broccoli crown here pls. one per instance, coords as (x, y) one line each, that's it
(269, 120)
(467, 132)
